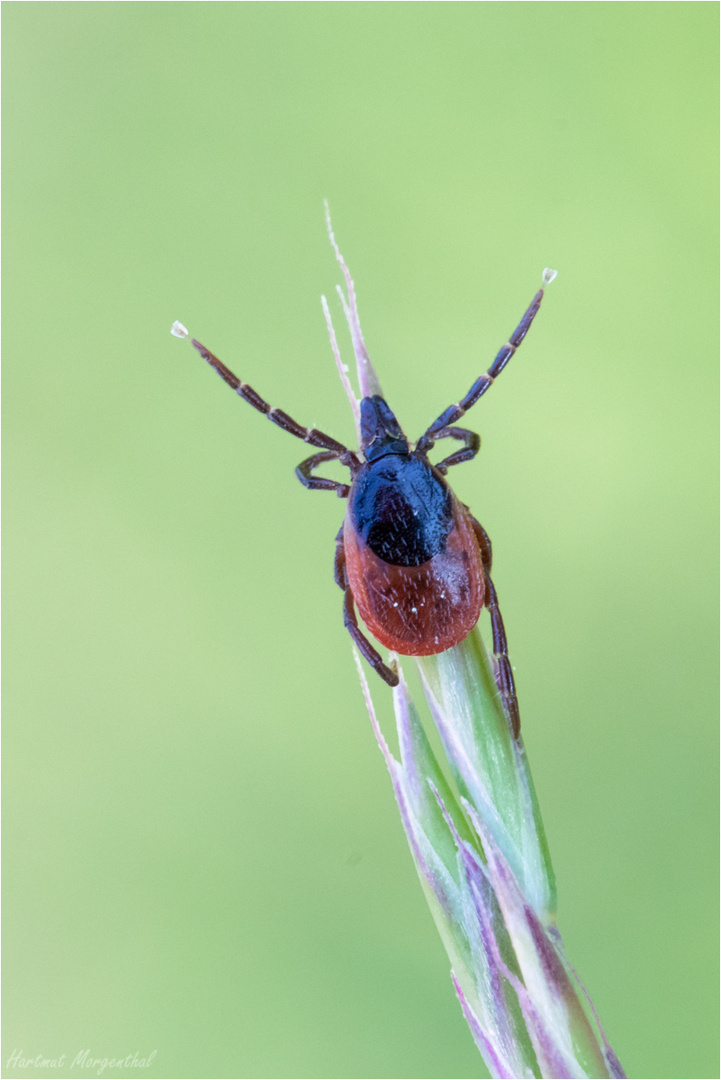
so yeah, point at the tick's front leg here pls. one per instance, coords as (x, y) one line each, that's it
(472, 444)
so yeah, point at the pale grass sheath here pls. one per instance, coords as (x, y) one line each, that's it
(480, 850)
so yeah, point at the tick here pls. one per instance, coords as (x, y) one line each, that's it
(410, 557)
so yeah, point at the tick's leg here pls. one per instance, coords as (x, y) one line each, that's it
(350, 620)
(504, 672)
(309, 435)
(305, 470)
(472, 446)
(455, 412)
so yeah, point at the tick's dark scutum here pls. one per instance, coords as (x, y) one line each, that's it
(402, 509)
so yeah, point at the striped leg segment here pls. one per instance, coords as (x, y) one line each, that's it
(455, 412)
(305, 470)
(287, 423)
(472, 446)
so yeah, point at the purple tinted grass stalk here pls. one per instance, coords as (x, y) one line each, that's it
(426, 805)
(488, 764)
(479, 846)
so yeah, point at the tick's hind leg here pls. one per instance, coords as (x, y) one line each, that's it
(350, 620)
(504, 672)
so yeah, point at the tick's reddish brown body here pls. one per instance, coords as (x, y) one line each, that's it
(418, 610)
(409, 555)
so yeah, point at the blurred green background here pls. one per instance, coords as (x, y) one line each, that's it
(202, 853)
